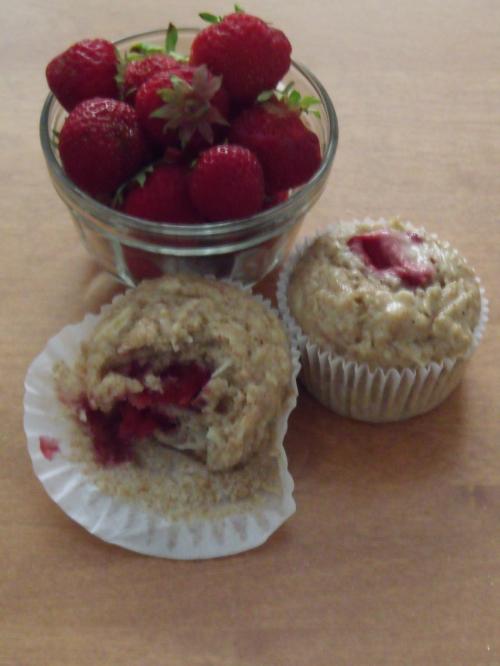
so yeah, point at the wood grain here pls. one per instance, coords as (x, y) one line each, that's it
(393, 556)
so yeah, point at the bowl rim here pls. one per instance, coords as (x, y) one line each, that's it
(120, 221)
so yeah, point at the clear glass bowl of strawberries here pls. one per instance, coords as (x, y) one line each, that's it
(186, 149)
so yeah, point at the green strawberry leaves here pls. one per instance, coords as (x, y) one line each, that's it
(306, 103)
(210, 18)
(55, 139)
(143, 50)
(213, 18)
(121, 65)
(139, 179)
(292, 98)
(171, 38)
(265, 96)
(171, 42)
(188, 106)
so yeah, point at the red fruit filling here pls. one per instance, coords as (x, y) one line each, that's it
(388, 251)
(48, 447)
(181, 385)
(137, 416)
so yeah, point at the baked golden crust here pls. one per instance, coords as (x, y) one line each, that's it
(371, 316)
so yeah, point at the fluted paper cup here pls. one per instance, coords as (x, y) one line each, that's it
(236, 528)
(366, 393)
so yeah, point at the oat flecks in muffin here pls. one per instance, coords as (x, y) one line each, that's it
(372, 316)
(221, 447)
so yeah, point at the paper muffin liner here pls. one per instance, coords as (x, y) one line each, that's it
(49, 432)
(354, 389)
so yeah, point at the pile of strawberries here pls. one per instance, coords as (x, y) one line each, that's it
(171, 138)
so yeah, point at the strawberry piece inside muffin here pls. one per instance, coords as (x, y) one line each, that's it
(390, 251)
(193, 365)
(139, 415)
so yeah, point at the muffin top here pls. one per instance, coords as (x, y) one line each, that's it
(228, 353)
(386, 294)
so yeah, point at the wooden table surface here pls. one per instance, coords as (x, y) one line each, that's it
(393, 556)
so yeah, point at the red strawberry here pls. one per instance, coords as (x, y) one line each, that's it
(227, 183)
(139, 71)
(101, 145)
(289, 152)
(389, 251)
(87, 69)
(275, 199)
(181, 105)
(163, 197)
(249, 54)
(141, 265)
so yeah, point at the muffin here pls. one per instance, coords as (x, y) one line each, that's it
(179, 398)
(385, 315)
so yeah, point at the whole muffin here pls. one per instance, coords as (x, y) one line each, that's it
(386, 314)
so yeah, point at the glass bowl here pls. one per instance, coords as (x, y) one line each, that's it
(245, 250)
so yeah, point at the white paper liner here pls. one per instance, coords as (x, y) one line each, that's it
(353, 389)
(127, 524)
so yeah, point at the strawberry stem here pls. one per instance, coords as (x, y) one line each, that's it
(171, 38)
(265, 96)
(171, 42)
(188, 107)
(145, 49)
(142, 50)
(292, 98)
(121, 64)
(139, 178)
(55, 139)
(213, 18)
(210, 18)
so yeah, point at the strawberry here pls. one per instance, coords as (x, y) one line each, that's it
(163, 196)
(139, 71)
(109, 449)
(180, 106)
(182, 383)
(289, 152)
(101, 145)
(275, 199)
(114, 433)
(389, 251)
(86, 69)
(141, 265)
(227, 183)
(250, 55)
